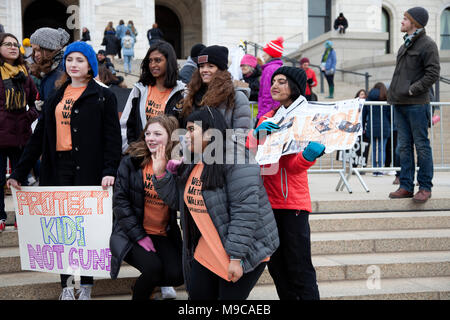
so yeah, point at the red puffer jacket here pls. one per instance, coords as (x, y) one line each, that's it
(287, 188)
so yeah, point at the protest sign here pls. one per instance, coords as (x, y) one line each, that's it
(64, 230)
(336, 125)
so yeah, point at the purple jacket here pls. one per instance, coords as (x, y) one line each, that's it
(15, 127)
(265, 102)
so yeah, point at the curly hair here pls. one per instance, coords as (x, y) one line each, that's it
(220, 90)
(139, 148)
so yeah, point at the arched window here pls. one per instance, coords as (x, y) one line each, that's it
(445, 29)
(386, 27)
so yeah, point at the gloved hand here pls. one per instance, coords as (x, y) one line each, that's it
(313, 151)
(147, 244)
(267, 126)
(310, 81)
(172, 165)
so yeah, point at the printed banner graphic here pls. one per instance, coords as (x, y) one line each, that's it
(65, 230)
(336, 125)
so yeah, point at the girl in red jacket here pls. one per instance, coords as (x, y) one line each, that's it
(290, 266)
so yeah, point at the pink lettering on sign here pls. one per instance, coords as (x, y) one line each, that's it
(51, 257)
(69, 203)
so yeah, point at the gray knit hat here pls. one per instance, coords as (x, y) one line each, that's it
(418, 15)
(49, 38)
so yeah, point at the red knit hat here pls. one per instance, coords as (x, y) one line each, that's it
(275, 48)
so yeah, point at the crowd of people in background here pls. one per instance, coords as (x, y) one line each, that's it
(233, 222)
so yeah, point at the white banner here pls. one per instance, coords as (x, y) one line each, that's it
(336, 125)
(64, 230)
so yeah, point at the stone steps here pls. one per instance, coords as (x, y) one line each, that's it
(410, 251)
(430, 288)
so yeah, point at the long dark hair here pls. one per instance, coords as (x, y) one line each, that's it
(19, 60)
(171, 75)
(213, 175)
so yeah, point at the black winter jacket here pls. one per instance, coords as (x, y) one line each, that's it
(253, 82)
(417, 69)
(112, 44)
(240, 211)
(95, 134)
(128, 208)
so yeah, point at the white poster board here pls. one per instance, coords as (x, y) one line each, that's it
(336, 125)
(64, 230)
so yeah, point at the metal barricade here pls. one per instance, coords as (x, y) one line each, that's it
(350, 165)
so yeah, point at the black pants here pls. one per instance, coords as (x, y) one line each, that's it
(330, 79)
(66, 173)
(291, 266)
(163, 268)
(14, 155)
(206, 285)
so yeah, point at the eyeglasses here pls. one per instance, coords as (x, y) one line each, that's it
(156, 60)
(10, 44)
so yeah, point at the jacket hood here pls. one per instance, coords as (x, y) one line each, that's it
(246, 91)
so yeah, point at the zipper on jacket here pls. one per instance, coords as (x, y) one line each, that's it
(287, 188)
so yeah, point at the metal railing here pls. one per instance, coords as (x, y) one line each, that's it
(296, 63)
(350, 163)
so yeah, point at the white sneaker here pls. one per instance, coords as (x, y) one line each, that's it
(392, 173)
(67, 294)
(84, 293)
(168, 293)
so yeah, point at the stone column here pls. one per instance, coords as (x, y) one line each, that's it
(14, 18)
(211, 20)
(148, 15)
(87, 16)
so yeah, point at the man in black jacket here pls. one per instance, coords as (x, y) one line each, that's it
(417, 69)
(340, 24)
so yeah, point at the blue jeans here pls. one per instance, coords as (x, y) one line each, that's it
(378, 150)
(412, 125)
(127, 63)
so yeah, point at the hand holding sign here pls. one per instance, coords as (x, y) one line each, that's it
(107, 181)
(159, 161)
(12, 183)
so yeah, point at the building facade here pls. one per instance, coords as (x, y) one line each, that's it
(226, 22)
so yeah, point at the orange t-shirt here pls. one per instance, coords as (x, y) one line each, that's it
(156, 102)
(156, 212)
(62, 113)
(209, 252)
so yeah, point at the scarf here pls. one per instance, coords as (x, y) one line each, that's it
(408, 38)
(325, 56)
(13, 79)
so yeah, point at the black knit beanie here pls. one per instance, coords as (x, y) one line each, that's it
(216, 55)
(297, 75)
(418, 15)
(196, 49)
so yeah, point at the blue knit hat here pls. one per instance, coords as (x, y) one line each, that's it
(86, 50)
